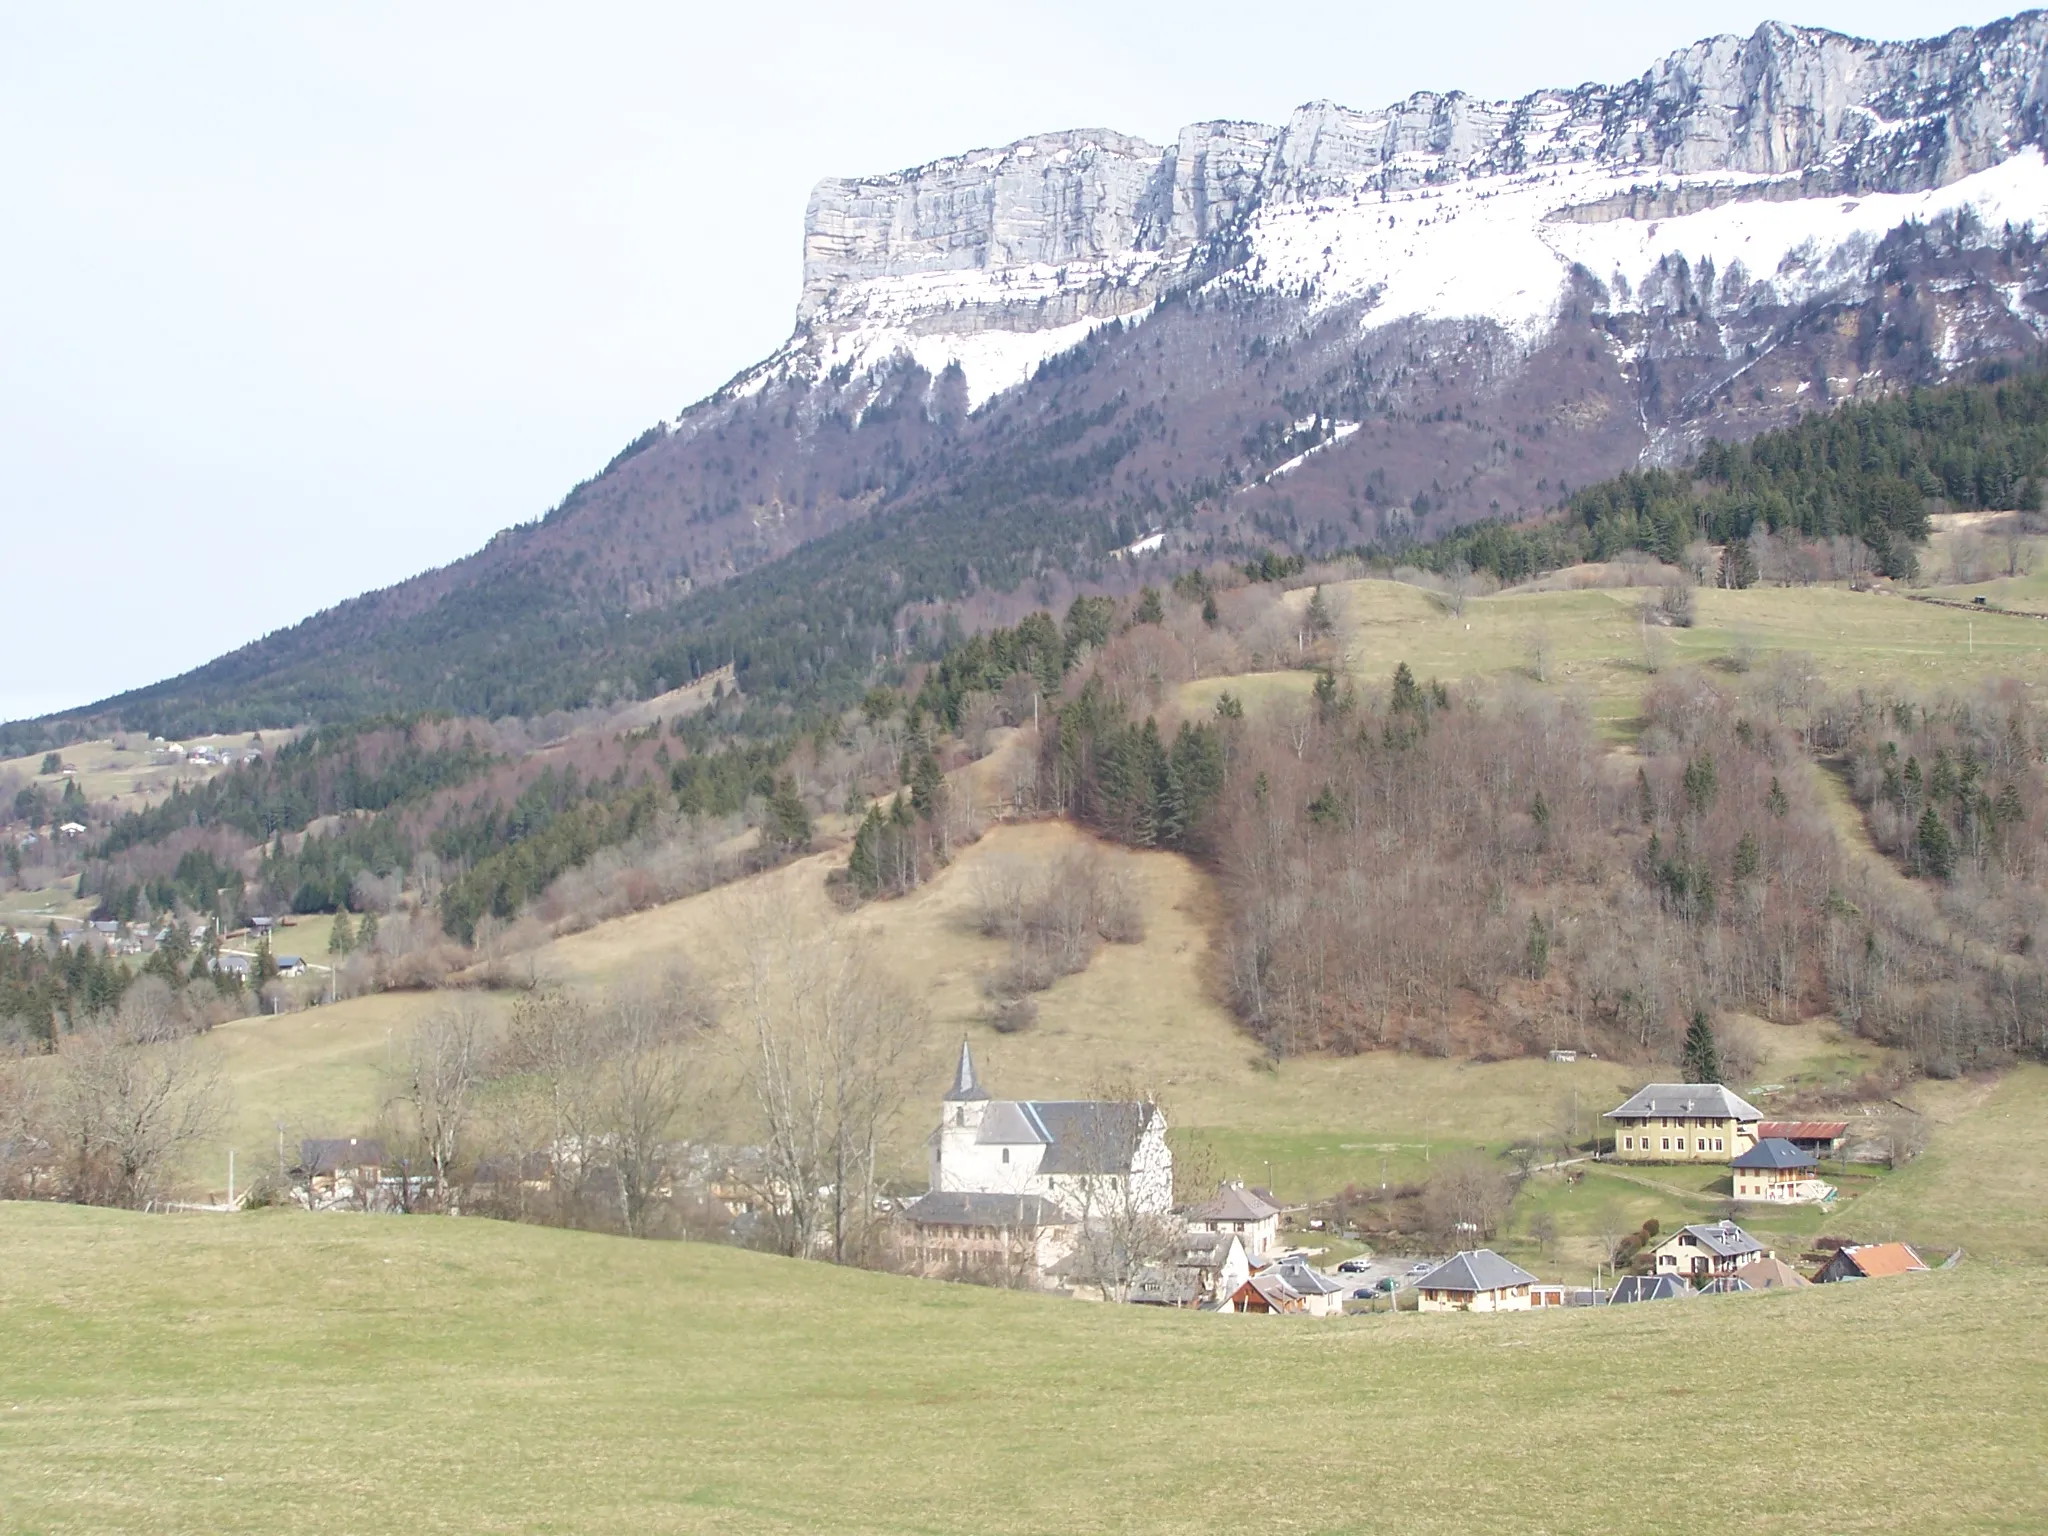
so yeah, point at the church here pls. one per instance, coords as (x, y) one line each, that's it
(1087, 1156)
(1014, 1181)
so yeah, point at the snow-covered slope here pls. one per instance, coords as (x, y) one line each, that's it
(1780, 159)
(1501, 248)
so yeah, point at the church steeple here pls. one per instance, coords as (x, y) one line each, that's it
(966, 1087)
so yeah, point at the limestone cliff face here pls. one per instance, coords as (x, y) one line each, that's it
(1107, 222)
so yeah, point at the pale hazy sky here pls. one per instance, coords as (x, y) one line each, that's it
(298, 300)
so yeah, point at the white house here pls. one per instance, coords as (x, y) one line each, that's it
(1206, 1270)
(1087, 1156)
(1233, 1208)
(1701, 1252)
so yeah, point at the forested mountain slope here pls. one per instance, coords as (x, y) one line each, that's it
(1353, 328)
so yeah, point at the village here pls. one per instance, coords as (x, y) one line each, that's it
(1075, 1198)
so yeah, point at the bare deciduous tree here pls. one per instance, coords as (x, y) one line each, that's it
(1467, 1198)
(1123, 1199)
(644, 1078)
(124, 1108)
(550, 1047)
(830, 1044)
(437, 1087)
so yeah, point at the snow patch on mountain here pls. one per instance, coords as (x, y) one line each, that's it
(992, 361)
(1489, 248)
(1795, 250)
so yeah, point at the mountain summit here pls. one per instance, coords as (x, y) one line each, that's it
(1356, 327)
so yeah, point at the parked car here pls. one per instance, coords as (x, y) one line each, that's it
(1364, 1293)
(1420, 1267)
(1354, 1266)
(1390, 1284)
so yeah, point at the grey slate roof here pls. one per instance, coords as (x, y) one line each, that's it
(1159, 1285)
(961, 1208)
(1276, 1290)
(1725, 1285)
(1648, 1288)
(1773, 1153)
(1724, 1240)
(1481, 1269)
(1233, 1202)
(1307, 1282)
(1705, 1100)
(1206, 1250)
(1080, 1136)
(966, 1086)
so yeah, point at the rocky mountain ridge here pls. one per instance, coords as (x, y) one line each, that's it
(1064, 227)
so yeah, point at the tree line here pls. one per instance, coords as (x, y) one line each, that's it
(1867, 470)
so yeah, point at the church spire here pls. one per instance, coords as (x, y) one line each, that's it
(966, 1087)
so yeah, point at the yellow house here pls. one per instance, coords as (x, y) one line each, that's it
(1684, 1123)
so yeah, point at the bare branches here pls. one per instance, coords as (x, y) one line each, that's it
(1117, 1176)
(437, 1085)
(830, 1046)
(122, 1111)
(645, 1075)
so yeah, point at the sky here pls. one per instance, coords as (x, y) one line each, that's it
(299, 300)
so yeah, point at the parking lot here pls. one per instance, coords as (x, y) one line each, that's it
(1400, 1268)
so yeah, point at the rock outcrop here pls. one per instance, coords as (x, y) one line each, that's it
(1066, 226)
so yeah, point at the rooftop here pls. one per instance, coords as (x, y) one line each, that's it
(1480, 1269)
(1875, 1260)
(1773, 1152)
(1081, 1136)
(1723, 1239)
(1701, 1100)
(1648, 1288)
(1804, 1130)
(1773, 1274)
(960, 1208)
(966, 1086)
(1233, 1202)
(1305, 1281)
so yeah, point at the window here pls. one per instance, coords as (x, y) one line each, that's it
(1720, 1145)
(1628, 1143)
(1681, 1143)
(960, 1115)
(1006, 1154)
(1667, 1143)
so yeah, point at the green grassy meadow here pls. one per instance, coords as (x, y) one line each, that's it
(279, 1371)
(1982, 1183)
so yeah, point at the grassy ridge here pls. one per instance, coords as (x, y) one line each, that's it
(370, 1374)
